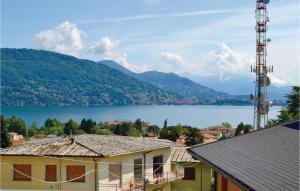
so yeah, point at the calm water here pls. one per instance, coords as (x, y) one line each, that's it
(199, 116)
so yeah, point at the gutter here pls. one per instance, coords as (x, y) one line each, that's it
(241, 184)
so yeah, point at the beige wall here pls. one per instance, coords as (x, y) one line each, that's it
(38, 171)
(127, 168)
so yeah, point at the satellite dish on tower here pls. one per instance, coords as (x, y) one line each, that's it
(264, 81)
(264, 106)
(266, 1)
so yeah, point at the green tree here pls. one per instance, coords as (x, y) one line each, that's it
(32, 131)
(138, 124)
(5, 140)
(17, 125)
(87, 125)
(101, 130)
(293, 102)
(133, 132)
(193, 136)
(166, 123)
(242, 129)
(53, 126)
(226, 125)
(153, 129)
(72, 127)
(172, 132)
(289, 112)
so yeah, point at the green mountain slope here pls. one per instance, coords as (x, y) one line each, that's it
(183, 86)
(171, 82)
(35, 77)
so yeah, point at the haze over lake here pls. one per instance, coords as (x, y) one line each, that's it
(195, 115)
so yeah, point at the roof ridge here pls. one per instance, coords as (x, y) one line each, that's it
(87, 147)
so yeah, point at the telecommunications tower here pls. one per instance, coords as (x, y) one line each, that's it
(261, 69)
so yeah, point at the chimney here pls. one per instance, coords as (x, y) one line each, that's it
(72, 140)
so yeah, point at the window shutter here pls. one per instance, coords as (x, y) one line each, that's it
(50, 173)
(114, 172)
(22, 172)
(75, 173)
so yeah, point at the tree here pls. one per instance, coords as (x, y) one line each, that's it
(122, 129)
(153, 129)
(242, 129)
(53, 126)
(17, 125)
(138, 124)
(87, 125)
(193, 136)
(5, 140)
(101, 130)
(226, 125)
(293, 102)
(32, 131)
(72, 127)
(133, 132)
(289, 112)
(166, 123)
(172, 132)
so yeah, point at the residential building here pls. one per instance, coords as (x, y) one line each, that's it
(262, 160)
(89, 162)
(196, 176)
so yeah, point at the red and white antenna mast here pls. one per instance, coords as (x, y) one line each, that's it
(261, 69)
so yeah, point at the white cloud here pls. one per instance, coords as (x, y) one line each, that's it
(106, 44)
(226, 61)
(65, 38)
(223, 63)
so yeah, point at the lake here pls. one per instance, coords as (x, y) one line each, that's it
(195, 115)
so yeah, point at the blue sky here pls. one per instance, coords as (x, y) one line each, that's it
(190, 38)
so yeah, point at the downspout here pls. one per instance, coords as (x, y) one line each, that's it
(201, 176)
(144, 156)
(60, 173)
(96, 174)
(144, 187)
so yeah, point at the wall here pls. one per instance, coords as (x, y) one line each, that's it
(38, 172)
(202, 180)
(127, 162)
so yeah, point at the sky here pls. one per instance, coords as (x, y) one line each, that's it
(189, 38)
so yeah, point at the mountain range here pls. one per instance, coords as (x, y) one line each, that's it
(37, 77)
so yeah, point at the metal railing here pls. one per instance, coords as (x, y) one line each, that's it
(160, 178)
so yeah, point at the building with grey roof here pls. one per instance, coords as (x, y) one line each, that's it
(267, 159)
(87, 145)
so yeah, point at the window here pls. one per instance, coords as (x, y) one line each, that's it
(138, 169)
(114, 172)
(189, 173)
(224, 184)
(50, 173)
(22, 172)
(76, 173)
(157, 166)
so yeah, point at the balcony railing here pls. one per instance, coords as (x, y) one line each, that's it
(162, 178)
(132, 184)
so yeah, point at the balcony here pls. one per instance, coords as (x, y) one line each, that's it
(162, 178)
(126, 185)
